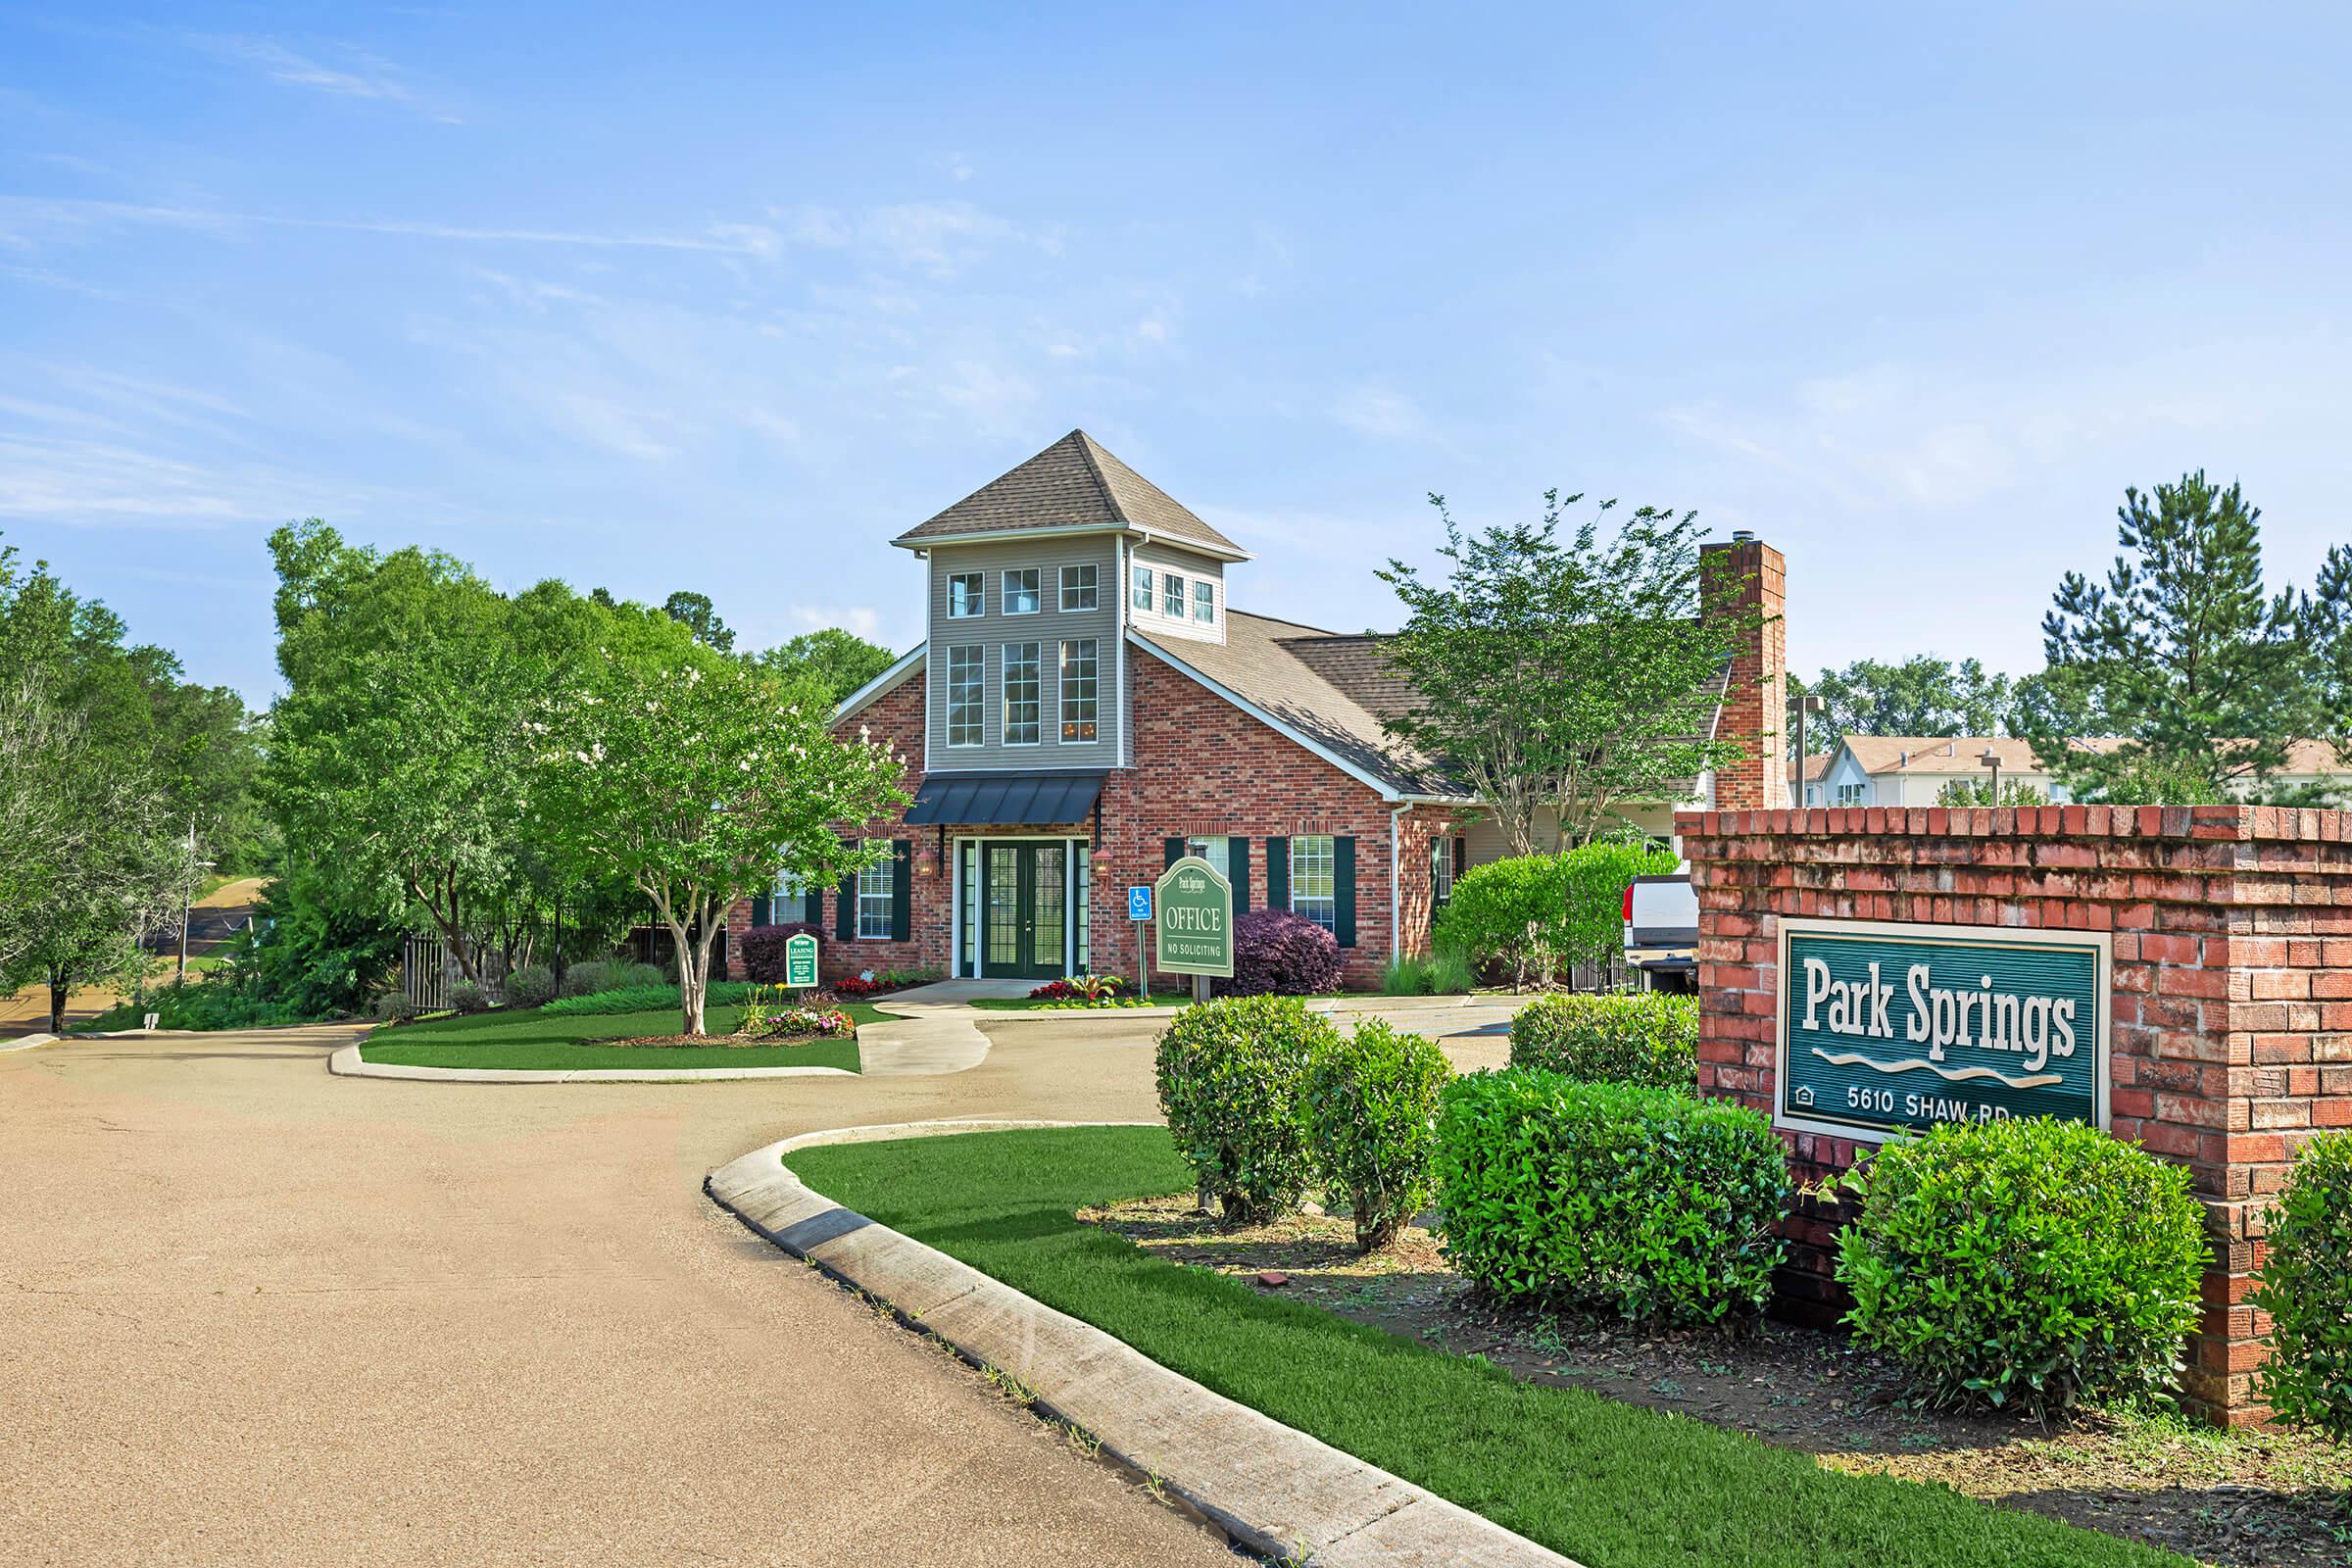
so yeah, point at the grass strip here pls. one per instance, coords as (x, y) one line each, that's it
(1158, 999)
(535, 1040)
(1604, 1483)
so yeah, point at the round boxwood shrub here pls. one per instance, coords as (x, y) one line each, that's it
(2029, 1263)
(1641, 1201)
(2306, 1286)
(1276, 952)
(1371, 1118)
(530, 986)
(1646, 1038)
(586, 979)
(764, 950)
(1231, 1075)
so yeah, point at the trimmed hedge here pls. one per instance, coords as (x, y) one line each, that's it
(1371, 1117)
(2306, 1286)
(1230, 1076)
(1641, 1201)
(1645, 1038)
(2031, 1262)
(644, 999)
(762, 950)
(1276, 952)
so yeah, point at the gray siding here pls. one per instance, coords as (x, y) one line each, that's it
(1163, 559)
(1050, 627)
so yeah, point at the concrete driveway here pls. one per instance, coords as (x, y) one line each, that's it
(257, 1314)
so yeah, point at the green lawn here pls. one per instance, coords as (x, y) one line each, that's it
(1606, 1483)
(1159, 999)
(532, 1041)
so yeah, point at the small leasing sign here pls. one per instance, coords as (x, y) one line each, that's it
(1885, 1028)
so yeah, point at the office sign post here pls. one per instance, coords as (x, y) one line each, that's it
(1194, 922)
(1885, 1028)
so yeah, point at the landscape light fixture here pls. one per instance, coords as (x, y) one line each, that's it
(1992, 760)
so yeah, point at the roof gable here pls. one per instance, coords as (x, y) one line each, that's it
(1075, 484)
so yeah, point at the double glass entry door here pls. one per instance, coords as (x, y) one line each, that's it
(1024, 909)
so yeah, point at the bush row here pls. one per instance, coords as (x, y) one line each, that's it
(1648, 1039)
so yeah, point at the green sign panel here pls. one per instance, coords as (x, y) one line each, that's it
(800, 961)
(1193, 919)
(1890, 1027)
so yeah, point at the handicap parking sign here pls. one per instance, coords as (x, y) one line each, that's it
(1138, 903)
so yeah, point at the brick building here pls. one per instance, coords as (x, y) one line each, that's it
(1087, 706)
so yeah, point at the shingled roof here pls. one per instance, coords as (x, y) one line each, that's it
(1074, 483)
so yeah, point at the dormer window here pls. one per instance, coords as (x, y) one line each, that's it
(1171, 595)
(966, 594)
(1021, 590)
(1140, 597)
(1204, 600)
(1081, 587)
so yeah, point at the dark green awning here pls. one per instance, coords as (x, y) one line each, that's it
(1003, 799)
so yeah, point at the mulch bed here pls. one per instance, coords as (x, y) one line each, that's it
(727, 1040)
(2245, 1499)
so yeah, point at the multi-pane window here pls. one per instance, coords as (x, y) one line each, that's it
(874, 885)
(967, 882)
(1081, 587)
(967, 594)
(1140, 597)
(967, 696)
(1441, 870)
(1204, 600)
(1171, 593)
(1080, 663)
(1215, 850)
(1314, 881)
(1850, 793)
(1020, 590)
(1020, 694)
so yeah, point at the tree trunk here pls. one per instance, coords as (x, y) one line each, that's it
(58, 992)
(706, 936)
(690, 977)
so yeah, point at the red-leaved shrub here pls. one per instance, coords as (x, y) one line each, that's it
(764, 950)
(1281, 954)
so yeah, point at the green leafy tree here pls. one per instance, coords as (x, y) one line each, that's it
(2327, 618)
(1922, 696)
(831, 661)
(698, 614)
(1577, 676)
(696, 779)
(2181, 652)
(1978, 792)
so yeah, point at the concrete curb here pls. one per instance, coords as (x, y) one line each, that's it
(27, 1042)
(1402, 1007)
(1275, 1491)
(346, 1064)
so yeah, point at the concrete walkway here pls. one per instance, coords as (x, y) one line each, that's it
(932, 1028)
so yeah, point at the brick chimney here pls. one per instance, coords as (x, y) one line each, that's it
(1742, 578)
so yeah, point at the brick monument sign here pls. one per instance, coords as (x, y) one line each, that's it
(2213, 944)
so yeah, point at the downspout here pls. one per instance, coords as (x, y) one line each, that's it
(1395, 881)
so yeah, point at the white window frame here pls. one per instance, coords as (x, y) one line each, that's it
(1140, 590)
(979, 694)
(1204, 600)
(1851, 793)
(1440, 869)
(1082, 586)
(977, 604)
(869, 889)
(1072, 697)
(1173, 598)
(1034, 590)
(1035, 660)
(1321, 907)
(1216, 851)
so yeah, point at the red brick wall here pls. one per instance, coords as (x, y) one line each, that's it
(2233, 990)
(1203, 768)
(1755, 709)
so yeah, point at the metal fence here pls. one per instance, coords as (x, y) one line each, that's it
(427, 970)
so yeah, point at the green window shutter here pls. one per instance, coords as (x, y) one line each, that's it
(1237, 863)
(760, 910)
(845, 909)
(812, 908)
(902, 888)
(1342, 887)
(1278, 873)
(1175, 852)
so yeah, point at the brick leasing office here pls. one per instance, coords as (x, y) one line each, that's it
(1088, 704)
(2231, 934)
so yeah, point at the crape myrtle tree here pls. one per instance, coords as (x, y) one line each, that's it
(699, 778)
(1575, 676)
(2179, 651)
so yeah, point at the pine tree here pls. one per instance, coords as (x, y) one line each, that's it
(2180, 652)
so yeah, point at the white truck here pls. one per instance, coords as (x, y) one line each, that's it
(1661, 932)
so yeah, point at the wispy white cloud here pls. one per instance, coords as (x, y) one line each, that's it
(352, 72)
(23, 220)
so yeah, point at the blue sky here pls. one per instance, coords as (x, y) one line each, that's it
(723, 297)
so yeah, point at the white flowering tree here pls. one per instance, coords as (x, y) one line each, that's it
(699, 778)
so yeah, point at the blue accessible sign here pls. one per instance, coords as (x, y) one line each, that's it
(1885, 1028)
(1138, 903)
